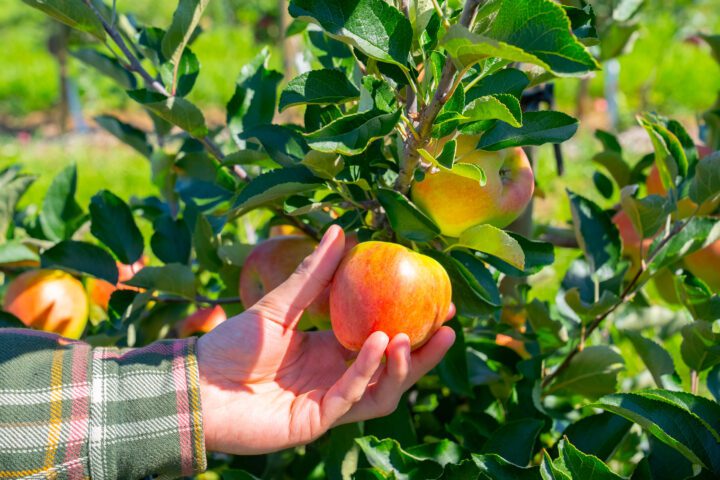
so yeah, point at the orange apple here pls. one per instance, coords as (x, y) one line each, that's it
(49, 300)
(100, 290)
(202, 321)
(456, 203)
(386, 287)
(705, 264)
(271, 262)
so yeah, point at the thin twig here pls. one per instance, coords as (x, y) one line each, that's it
(135, 66)
(410, 155)
(630, 290)
(198, 299)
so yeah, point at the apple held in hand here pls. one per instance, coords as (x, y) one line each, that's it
(386, 287)
(456, 203)
(49, 300)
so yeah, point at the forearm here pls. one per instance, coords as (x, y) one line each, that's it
(102, 413)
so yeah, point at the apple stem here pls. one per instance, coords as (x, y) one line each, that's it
(410, 155)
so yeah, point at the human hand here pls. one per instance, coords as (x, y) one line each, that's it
(266, 386)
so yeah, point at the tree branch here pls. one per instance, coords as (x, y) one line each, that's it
(631, 289)
(410, 156)
(135, 66)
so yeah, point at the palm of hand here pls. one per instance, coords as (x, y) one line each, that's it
(266, 386)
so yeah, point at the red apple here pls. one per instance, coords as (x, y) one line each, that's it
(386, 287)
(49, 300)
(456, 203)
(705, 264)
(202, 321)
(100, 290)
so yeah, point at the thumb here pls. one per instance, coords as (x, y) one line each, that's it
(309, 280)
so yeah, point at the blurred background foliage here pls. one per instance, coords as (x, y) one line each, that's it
(665, 72)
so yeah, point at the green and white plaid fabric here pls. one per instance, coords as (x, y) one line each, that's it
(68, 411)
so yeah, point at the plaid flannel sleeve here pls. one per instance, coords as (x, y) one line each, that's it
(68, 411)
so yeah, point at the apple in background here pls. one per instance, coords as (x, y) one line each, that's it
(386, 287)
(284, 230)
(202, 321)
(705, 264)
(516, 317)
(100, 290)
(271, 262)
(456, 203)
(49, 300)
(685, 207)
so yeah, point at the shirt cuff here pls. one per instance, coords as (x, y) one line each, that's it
(145, 412)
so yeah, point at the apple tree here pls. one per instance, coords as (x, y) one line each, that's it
(594, 385)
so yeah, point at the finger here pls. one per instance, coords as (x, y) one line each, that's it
(451, 312)
(393, 381)
(429, 355)
(308, 281)
(350, 388)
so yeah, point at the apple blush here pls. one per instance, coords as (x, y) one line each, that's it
(387, 287)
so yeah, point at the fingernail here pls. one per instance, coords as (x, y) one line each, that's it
(330, 234)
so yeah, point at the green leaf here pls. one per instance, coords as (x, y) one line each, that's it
(515, 440)
(12, 187)
(615, 164)
(538, 128)
(398, 425)
(61, 215)
(318, 87)
(106, 65)
(234, 474)
(706, 410)
(74, 13)
(698, 299)
(324, 165)
(603, 184)
(494, 467)
(588, 311)
(705, 184)
(81, 257)
(388, 457)
(284, 145)
(377, 93)
(713, 382)
(671, 424)
(375, 28)
(126, 133)
(171, 242)
(700, 348)
(537, 256)
(275, 185)
(352, 134)
(583, 466)
(670, 156)
(206, 244)
(341, 460)
(502, 107)
(507, 81)
(616, 38)
(657, 360)
(113, 224)
(550, 471)
(699, 233)
(453, 368)
(171, 278)
(185, 20)
(513, 36)
(592, 373)
(184, 76)
(648, 214)
(447, 156)
(15, 251)
(598, 435)
(596, 234)
(253, 103)
(175, 110)
(493, 241)
(405, 218)
(8, 320)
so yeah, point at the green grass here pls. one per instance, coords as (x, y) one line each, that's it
(102, 163)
